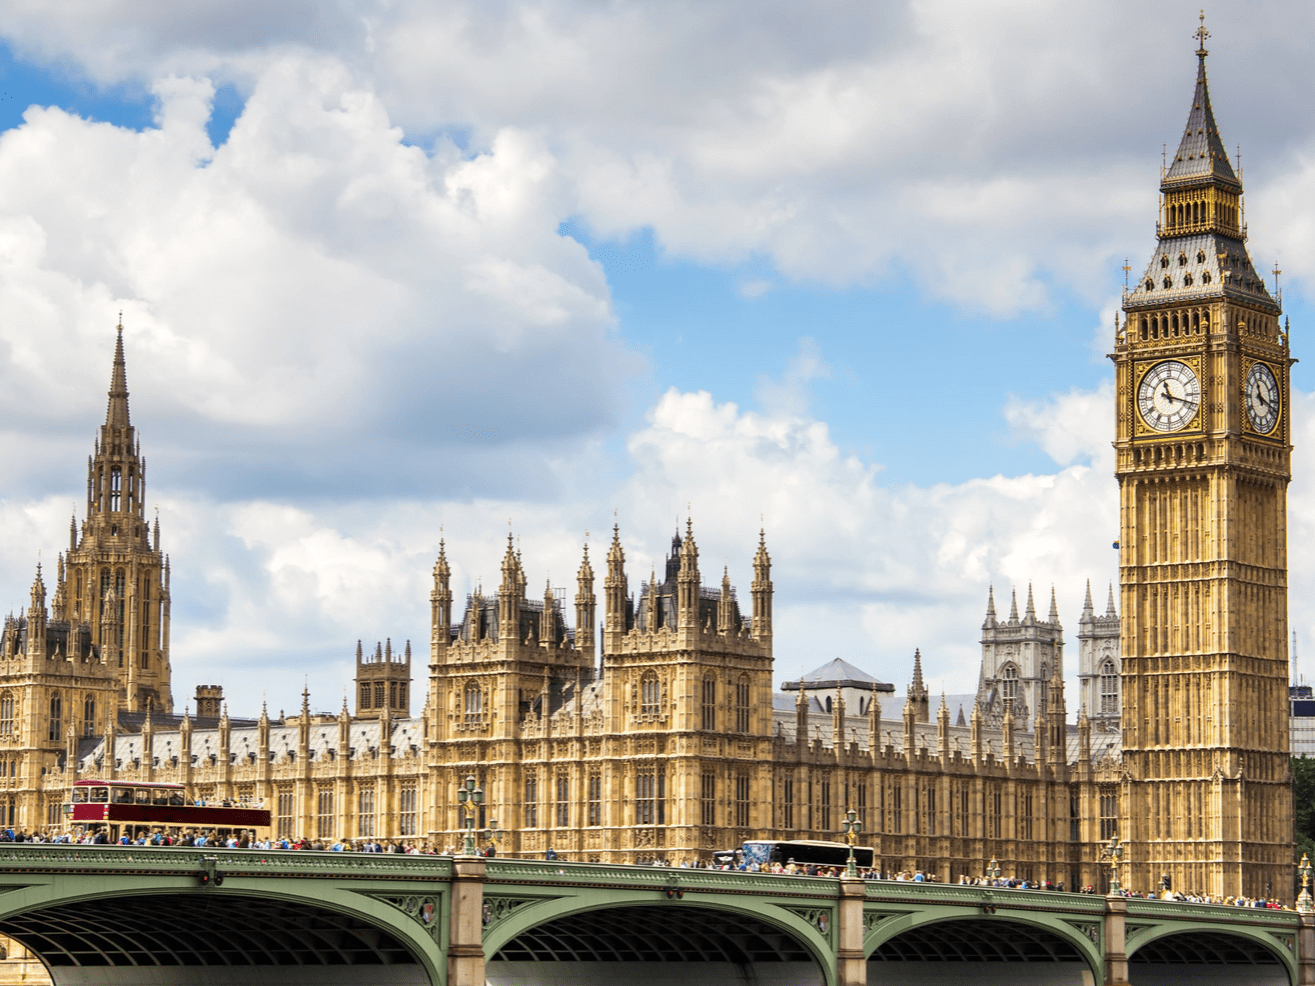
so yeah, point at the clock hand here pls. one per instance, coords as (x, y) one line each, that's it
(1167, 395)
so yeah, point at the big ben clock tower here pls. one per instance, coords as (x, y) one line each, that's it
(1202, 460)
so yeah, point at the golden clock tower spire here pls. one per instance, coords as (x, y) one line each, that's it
(1203, 451)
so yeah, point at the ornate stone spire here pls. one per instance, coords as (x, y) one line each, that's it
(1013, 606)
(1088, 611)
(1110, 611)
(614, 591)
(586, 605)
(116, 414)
(1053, 618)
(762, 591)
(990, 609)
(1030, 612)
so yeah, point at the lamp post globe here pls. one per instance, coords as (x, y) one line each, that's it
(1304, 902)
(852, 827)
(469, 796)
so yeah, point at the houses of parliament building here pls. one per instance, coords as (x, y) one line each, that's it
(645, 723)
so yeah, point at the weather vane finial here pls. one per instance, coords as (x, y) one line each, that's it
(1201, 34)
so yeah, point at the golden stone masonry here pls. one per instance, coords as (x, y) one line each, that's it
(652, 729)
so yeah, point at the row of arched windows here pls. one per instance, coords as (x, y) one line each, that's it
(1175, 324)
(1196, 212)
(741, 694)
(55, 718)
(116, 490)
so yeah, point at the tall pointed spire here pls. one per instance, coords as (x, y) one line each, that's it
(1088, 611)
(1053, 618)
(1030, 612)
(990, 608)
(116, 416)
(1201, 151)
(1013, 606)
(1109, 607)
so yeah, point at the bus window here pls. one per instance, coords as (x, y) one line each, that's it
(176, 798)
(143, 796)
(79, 795)
(99, 795)
(161, 797)
(123, 795)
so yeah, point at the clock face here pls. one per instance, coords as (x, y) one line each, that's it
(1262, 398)
(1169, 395)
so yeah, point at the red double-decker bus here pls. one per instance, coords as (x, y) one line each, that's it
(134, 809)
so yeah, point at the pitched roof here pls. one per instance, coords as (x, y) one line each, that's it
(1201, 153)
(838, 674)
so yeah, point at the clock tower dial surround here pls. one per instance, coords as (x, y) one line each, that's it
(1203, 541)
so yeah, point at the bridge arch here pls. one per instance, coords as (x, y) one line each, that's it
(659, 941)
(1210, 954)
(187, 935)
(1004, 944)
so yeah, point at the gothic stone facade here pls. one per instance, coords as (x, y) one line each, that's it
(659, 734)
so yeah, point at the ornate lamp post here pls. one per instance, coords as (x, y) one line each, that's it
(493, 834)
(993, 869)
(470, 795)
(1304, 902)
(852, 827)
(1114, 852)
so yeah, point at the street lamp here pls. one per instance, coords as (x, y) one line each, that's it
(852, 827)
(470, 795)
(993, 869)
(1115, 852)
(1304, 903)
(493, 834)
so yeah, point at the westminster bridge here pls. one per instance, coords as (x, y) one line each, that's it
(114, 916)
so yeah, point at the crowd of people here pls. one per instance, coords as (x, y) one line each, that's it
(248, 840)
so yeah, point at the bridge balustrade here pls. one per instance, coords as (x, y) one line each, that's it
(101, 913)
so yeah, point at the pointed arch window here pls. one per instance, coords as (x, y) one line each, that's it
(649, 695)
(474, 702)
(742, 704)
(531, 801)
(6, 714)
(1009, 684)
(56, 718)
(89, 716)
(1043, 691)
(116, 487)
(1109, 689)
(709, 703)
(365, 695)
(1168, 282)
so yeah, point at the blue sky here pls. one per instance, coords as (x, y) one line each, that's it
(391, 272)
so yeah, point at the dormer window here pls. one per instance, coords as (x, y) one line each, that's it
(1164, 261)
(1205, 277)
(1168, 283)
(1187, 280)
(1150, 285)
(1182, 260)
(1200, 256)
